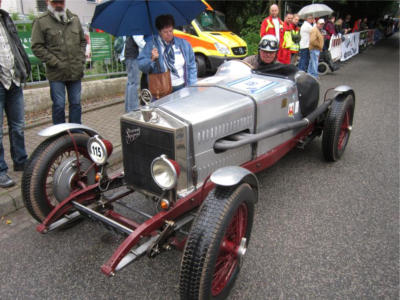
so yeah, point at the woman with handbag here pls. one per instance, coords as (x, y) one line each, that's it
(169, 61)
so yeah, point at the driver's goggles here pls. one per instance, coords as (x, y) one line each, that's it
(271, 44)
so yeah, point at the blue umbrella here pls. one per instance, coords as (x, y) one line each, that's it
(129, 17)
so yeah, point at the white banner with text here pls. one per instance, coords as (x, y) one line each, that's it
(350, 45)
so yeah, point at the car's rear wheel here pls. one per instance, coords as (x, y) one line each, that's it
(217, 243)
(52, 173)
(337, 128)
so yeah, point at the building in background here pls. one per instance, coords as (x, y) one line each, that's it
(83, 8)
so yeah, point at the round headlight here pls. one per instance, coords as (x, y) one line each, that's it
(99, 150)
(165, 172)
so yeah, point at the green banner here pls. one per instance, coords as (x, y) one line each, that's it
(25, 37)
(100, 44)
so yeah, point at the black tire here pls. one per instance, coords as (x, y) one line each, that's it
(36, 184)
(337, 128)
(323, 68)
(213, 225)
(201, 65)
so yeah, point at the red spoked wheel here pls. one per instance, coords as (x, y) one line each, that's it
(337, 128)
(344, 131)
(55, 169)
(233, 248)
(217, 243)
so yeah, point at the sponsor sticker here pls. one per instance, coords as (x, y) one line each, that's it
(284, 103)
(252, 85)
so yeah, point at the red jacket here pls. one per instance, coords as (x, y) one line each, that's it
(267, 27)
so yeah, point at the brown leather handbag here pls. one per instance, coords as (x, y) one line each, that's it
(160, 83)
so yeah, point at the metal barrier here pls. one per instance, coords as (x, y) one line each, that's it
(101, 60)
(108, 68)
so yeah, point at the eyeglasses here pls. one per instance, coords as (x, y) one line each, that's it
(271, 44)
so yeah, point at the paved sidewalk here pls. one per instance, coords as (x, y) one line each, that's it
(103, 117)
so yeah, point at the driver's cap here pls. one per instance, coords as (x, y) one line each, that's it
(269, 43)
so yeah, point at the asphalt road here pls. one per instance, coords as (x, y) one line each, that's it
(321, 231)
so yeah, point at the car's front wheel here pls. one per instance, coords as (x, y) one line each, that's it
(55, 169)
(217, 243)
(201, 65)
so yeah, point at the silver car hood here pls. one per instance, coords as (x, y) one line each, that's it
(233, 88)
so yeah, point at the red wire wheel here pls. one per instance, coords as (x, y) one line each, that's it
(217, 243)
(51, 173)
(337, 127)
(344, 131)
(228, 257)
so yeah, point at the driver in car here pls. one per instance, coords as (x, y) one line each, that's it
(265, 63)
(265, 60)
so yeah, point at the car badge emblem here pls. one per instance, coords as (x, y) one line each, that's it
(131, 135)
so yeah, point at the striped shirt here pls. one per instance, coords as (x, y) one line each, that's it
(7, 65)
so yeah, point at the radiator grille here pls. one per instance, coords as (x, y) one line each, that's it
(140, 145)
(239, 50)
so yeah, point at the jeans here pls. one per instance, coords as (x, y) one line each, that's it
(132, 85)
(12, 102)
(57, 92)
(313, 65)
(304, 59)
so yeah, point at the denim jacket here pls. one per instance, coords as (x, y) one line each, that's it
(146, 65)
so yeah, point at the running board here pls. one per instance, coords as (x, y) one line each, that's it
(95, 216)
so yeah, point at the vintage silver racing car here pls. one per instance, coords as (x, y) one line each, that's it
(193, 154)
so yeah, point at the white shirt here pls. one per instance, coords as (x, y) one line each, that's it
(179, 66)
(277, 27)
(6, 61)
(305, 31)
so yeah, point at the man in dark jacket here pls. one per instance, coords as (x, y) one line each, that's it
(58, 41)
(14, 70)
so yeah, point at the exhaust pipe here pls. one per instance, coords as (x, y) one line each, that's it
(245, 139)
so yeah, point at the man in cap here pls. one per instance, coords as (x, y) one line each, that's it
(316, 46)
(14, 70)
(58, 41)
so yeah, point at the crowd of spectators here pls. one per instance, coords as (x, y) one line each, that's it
(303, 44)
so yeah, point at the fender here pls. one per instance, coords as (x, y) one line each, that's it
(344, 90)
(233, 175)
(60, 128)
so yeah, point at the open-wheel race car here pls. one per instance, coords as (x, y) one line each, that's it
(193, 154)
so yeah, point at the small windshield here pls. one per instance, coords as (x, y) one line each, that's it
(210, 21)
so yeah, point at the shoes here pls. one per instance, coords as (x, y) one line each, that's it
(6, 181)
(19, 168)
